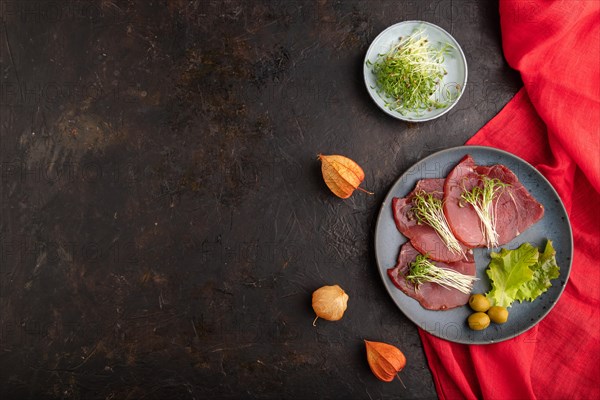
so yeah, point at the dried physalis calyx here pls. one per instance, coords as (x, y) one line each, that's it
(329, 302)
(385, 360)
(342, 175)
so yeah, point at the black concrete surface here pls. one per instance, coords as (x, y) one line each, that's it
(164, 221)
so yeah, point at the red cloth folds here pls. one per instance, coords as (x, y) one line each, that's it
(554, 124)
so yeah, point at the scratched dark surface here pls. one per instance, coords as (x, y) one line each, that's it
(164, 221)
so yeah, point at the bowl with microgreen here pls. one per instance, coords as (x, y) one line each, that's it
(415, 71)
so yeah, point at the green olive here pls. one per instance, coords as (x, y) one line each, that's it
(479, 302)
(479, 321)
(498, 314)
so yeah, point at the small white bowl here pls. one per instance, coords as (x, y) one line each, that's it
(455, 64)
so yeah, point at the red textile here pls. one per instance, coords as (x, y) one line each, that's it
(553, 123)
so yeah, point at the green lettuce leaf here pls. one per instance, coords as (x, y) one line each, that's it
(543, 271)
(508, 271)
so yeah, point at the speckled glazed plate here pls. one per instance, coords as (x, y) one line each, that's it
(455, 64)
(451, 324)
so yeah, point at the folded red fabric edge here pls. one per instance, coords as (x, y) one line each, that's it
(553, 123)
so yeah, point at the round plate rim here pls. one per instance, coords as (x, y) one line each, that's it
(387, 201)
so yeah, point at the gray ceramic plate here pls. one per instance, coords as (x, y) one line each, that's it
(455, 64)
(451, 324)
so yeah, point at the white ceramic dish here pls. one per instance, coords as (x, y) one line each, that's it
(455, 64)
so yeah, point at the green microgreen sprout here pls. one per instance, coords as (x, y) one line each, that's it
(481, 197)
(428, 210)
(411, 72)
(422, 271)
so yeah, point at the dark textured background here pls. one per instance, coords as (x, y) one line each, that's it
(164, 221)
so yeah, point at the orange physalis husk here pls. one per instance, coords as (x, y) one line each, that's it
(329, 303)
(385, 360)
(342, 175)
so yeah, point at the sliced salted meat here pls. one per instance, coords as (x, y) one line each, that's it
(463, 221)
(430, 295)
(423, 237)
(515, 209)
